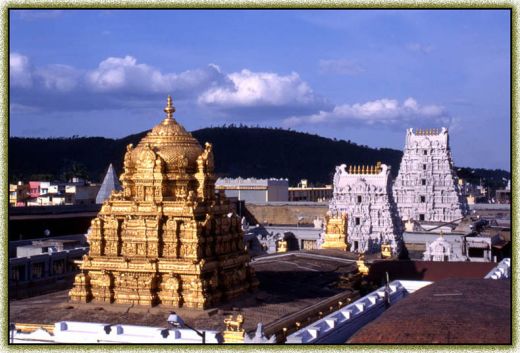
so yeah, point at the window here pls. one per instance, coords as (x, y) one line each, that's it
(359, 199)
(421, 217)
(476, 252)
(423, 199)
(308, 244)
(18, 273)
(425, 152)
(424, 167)
(358, 221)
(37, 270)
(423, 182)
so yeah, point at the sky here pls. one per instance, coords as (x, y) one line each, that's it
(359, 75)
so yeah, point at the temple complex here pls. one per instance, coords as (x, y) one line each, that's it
(426, 187)
(167, 238)
(364, 194)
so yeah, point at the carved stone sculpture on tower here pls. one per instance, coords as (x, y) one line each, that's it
(167, 238)
(426, 187)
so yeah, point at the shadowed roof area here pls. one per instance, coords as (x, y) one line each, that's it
(288, 284)
(428, 270)
(459, 311)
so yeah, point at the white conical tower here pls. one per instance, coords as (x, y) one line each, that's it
(110, 183)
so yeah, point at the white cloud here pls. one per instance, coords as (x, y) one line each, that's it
(20, 108)
(116, 74)
(340, 67)
(383, 112)
(419, 48)
(244, 94)
(252, 89)
(38, 14)
(58, 77)
(59, 87)
(19, 70)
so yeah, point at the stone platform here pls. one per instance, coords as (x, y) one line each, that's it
(289, 282)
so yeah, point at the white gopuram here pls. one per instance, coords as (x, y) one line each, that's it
(426, 187)
(364, 193)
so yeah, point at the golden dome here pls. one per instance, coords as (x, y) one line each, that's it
(170, 141)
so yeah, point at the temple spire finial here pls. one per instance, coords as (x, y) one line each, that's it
(169, 109)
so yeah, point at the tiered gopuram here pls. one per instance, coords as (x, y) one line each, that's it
(166, 238)
(363, 193)
(426, 187)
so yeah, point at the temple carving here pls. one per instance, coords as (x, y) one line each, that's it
(426, 187)
(336, 233)
(364, 193)
(167, 238)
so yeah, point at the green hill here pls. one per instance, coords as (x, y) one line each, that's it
(239, 151)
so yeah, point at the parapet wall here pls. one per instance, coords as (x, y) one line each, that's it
(285, 213)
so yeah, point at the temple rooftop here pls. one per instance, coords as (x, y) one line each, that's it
(451, 311)
(289, 283)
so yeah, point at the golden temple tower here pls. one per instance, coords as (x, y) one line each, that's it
(166, 238)
(335, 232)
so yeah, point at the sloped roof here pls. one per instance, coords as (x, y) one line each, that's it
(451, 311)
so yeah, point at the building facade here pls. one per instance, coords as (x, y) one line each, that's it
(18, 194)
(364, 194)
(261, 240)
(426, 188)
(304, 192)
(471, 240)
(38, 269)
(254, 190)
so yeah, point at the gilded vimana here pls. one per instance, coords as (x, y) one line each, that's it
(166, 238)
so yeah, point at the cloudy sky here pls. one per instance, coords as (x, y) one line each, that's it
(359, 75)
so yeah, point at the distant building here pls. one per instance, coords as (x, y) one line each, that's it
(46, 193)
(426, 188)
(471, 240)
(261, 240)
(364, 194)
(304, 192)
(34, 189)
(18, 194)
(473, 193)
(44, 265)
(504, 195)
(110, 183)
(81, 193)
(254, 190)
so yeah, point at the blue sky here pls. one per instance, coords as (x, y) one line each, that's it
(359, 75)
